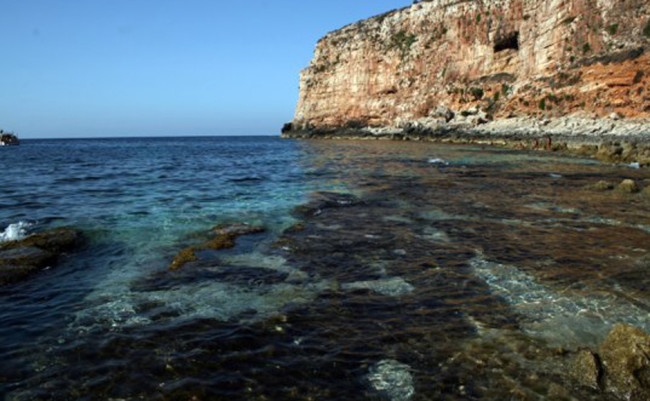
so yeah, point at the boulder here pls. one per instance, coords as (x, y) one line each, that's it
(586, 369)
(443, 112)
(20, 259)
(628, 186)
(625, 355)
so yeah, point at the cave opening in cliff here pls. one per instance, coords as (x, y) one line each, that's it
(509, 41)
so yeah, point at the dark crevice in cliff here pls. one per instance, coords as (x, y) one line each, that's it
(509, 41)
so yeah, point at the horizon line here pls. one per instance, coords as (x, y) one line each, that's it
(150, 137)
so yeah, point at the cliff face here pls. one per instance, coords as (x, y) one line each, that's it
(506, 57)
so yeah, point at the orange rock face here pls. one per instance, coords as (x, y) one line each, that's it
(508, 57)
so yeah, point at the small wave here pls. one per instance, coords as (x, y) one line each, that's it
(438, 161)
(246, 179)
(15, 231)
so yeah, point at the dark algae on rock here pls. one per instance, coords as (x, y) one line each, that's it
(222, 236)
(21, 258)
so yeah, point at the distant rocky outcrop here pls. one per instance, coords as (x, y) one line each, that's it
(573, 68)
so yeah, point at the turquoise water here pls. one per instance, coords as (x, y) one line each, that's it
(136, 201)
(424, 271)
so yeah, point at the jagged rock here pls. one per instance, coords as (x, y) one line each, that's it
(20, 259)
(586, 369)
(615, 116)
(628, 186)
(625, 355)
(288, 127)
(444, 112)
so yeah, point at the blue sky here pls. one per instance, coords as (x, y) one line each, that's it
(91, 68)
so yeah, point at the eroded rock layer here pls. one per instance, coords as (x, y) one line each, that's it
(504, 57)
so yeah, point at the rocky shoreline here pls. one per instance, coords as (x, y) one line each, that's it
(611, 140)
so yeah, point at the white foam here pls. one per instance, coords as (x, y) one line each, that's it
(436, 160)
(563, 319)
(392, 379)
(15, 231)
(432, 234)
(635, 165)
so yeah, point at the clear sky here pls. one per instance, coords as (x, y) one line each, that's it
(91, 68)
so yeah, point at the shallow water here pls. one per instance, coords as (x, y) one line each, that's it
(444, 272)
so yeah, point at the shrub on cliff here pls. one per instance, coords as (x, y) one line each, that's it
(646, 30)
(403, 42)
(477, 93)
(612, 29)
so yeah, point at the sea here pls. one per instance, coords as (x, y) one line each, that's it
(386, 270)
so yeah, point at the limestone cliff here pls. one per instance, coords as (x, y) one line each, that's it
(506, 58)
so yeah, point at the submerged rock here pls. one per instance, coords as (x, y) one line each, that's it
(586, 369)
(628, 186)
(184, 256)
(323, 200)
(224, 236)
(390, 286)
(625, 354)
(21, 258)
(621, 366)
(237, 229)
